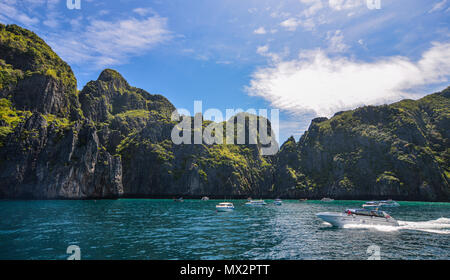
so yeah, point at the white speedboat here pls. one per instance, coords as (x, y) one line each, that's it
(256, 203)
(225, 207)
(371, 204)
(358, 217)
(278, 202)
(379, 204)
(327, 199)
(389, 203)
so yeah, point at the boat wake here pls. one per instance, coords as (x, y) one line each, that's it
(375, 227)
(439, 226)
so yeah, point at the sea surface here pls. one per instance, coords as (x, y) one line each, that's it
(164, 229)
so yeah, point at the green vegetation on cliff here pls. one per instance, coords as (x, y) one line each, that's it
(9, 118)
(33, 76)
(8, 75)
(399, 150)
(23, 50)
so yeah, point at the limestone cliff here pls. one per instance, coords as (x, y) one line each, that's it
(400, 151)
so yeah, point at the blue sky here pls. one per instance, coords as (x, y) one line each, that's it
(307, 58)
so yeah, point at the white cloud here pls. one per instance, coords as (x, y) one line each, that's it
(279, 14)
(336, 42)
(308, 18)
(52, 23)
(260, 31)
(363, 44)
(98, 43)
(291, 24)
(314, 7)
(53, 18)
(321, 85)
(345, 4)
(104, 43)
(274, 57)
(143, 11)
(262, 50)
(8, 10)
(438, 6)
(224, 62)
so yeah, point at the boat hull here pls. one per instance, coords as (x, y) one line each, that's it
(255, 205)
(341, 219)
(380, 204)
(224, 209)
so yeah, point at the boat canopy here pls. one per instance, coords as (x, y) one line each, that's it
(372, 202)
(366, 212)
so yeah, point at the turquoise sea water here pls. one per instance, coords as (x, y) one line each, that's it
(163, 229)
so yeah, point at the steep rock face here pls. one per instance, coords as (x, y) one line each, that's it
(286, 169)
(111, 95)
(43, 94)
(162, 168)
(137, 126)
(47, 148)
(399, 151)
(43, 160)
(154, 166)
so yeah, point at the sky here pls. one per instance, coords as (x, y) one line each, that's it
(306, 58)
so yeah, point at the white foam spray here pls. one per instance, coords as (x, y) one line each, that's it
(439, 226)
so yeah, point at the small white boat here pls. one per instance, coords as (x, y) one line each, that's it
(256, 203)
(389, 203)
(205, 198)
(327, 199)
(382, 203)
(278, 202)
(371, 204)
(225, 207)
(358, 217)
